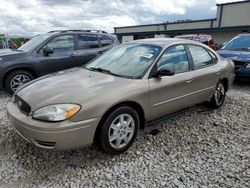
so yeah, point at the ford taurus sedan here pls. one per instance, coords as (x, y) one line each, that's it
(111, 98)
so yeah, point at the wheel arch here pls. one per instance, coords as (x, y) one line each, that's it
(136, 106)
(24, 68)
(225, 82)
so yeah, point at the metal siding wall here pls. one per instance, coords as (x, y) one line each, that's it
(191, 25)
(236, 14)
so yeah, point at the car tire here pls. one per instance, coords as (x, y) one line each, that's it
(16, 79)
(218, 96)
(119, 130)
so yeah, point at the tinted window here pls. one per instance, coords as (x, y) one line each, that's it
(239, 42)
(105, 40)
(88, 41)
(200, 56)
(174, 58)
(61, 43)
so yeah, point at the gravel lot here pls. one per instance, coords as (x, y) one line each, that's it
(198, 148)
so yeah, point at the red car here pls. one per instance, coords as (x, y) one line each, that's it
(203, 38)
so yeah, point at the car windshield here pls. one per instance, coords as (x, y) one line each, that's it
(127, 60)
(33, 43)
(238, 43)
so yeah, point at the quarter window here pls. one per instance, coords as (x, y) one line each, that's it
(88, 41)
(61, 43)
(105, 40)
(174, 58)
(200, 56)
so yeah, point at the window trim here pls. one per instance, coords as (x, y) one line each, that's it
(86, 34)
(191, 57)
(154, 67)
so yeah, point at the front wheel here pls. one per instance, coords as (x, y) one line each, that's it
(119, 130)
(218, 96)
(15, 79)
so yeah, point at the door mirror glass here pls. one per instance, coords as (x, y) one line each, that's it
(164, 72)
(47, 51)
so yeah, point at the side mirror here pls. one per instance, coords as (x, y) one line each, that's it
(164, 72)
(47, 51)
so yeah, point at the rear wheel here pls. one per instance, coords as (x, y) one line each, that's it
(15, 79)
(119, 130)
(218, 96)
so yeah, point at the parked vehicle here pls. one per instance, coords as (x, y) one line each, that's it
(238, 50)
(109, 99)
(203, 38)
(51, 52)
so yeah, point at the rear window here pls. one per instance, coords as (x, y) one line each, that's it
(87, 41)
(105, 40)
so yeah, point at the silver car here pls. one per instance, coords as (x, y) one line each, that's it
(112, 97)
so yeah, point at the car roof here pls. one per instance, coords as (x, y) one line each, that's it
(79, 31)
(163, 42)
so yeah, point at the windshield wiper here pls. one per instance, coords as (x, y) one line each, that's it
(17, 50)
(107, 72)
(102, 70)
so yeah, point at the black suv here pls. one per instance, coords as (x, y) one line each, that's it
(51, 52)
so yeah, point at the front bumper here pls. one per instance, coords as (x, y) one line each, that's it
(66, 135)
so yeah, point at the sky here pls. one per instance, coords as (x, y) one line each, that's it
(32, 17)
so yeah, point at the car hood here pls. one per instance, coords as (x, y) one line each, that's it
(75, 85)
(235, 55)
(8, 54)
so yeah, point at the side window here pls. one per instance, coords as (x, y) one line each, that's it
(105, 40)
(174, 58)
(61, 43)
(87, 41)
(200, 56)
(213, 56)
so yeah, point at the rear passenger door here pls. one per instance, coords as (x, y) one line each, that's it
(87, 48)
(205, 74)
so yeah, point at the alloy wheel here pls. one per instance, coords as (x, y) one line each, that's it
(18, 80)
(219, 94)
(121, 131)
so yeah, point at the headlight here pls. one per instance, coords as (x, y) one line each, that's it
(58, 112)
(248, 66)
(1, 58)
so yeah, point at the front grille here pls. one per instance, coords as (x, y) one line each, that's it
(239, 64)
(22, 105)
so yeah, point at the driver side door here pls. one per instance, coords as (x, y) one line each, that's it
(63, 57)
(169, 94)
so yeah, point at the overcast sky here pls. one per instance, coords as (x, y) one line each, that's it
(31, 17)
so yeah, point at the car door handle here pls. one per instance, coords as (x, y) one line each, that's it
(217, 72)
(72, 55)
(188, 81)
